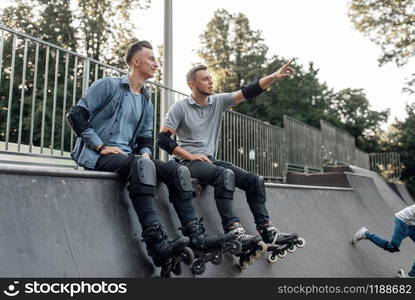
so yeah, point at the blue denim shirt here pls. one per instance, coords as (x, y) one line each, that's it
(104, 99)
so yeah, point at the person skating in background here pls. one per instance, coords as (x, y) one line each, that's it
(404, 227)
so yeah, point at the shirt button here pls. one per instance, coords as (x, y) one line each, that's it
(116, 120)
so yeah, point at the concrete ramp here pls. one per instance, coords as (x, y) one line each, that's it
(385, 191)
(403, 193)
(66, 223)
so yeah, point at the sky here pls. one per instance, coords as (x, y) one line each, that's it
(318, 31)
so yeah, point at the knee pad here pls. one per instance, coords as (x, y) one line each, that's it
(225, 184)
(256, 186)
(142, 177)
(183, 183)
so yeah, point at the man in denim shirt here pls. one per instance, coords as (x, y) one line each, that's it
(114, 125)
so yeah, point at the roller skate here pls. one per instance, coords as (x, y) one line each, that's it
(279, 243)
(209, 248)
(252, 246)
(402, 274)
(167, 254)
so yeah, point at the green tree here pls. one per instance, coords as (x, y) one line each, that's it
(402, 140)
(232, 50)
(56, 22)
(355, 115)
(106, 28)
(302, 97)
(391, 25)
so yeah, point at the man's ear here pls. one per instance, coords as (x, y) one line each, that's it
(191, 84)
(137, 61)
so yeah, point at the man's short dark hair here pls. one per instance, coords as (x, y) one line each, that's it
(134, 48)
(191, 75)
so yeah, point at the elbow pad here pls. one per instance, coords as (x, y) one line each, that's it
(78, 119)
(165, 142)
(252, 90)
(142, 142)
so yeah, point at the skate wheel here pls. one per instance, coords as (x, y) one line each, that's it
(218, 259)
(262, 247)
(282, 254)
(198, 268)
(236, 247)
(188, 256)
(243, 265)
(251, 260)
(291, 248)
(300, 242)
(272, 258)
(177, 269)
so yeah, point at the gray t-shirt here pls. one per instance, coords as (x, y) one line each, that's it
(197, 127)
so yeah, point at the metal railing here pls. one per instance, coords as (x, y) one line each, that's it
(42, 81)
(388, 165)
(253, 145)
(338, 147)
(303, 143)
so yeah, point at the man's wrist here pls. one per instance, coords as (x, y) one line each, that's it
(100, 148)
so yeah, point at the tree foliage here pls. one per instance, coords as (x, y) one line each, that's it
(232, 50)
(402, 140)
(236, 54)
(391, 25)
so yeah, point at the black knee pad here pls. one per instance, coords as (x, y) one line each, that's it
(142, 178)
(256, 186)
(179, 182)
(225, 184)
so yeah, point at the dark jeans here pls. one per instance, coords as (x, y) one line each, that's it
(144, 202)
(209, 173)
(400, 232)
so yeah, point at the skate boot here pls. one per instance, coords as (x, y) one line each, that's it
(279, 243)
(209, 247)
(403, 274)
(252, 245)
(359, 235)
(167, 254)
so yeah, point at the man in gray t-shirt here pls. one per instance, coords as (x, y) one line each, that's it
(196, 123)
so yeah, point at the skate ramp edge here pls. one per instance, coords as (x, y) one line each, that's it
(69, 223)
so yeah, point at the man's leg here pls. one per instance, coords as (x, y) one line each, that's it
(142, 181)
(400, 232)
(223, 183)
(141, 175)
(254, 187)
(178, 181)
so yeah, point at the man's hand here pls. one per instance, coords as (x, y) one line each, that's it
(111, 150)
(284, 71)
(199, 157)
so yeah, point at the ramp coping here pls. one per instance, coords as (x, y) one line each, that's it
(59, 172)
